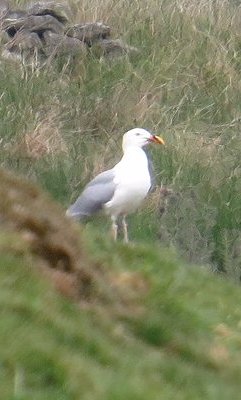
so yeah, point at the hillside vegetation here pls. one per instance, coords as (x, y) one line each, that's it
(157, 319)
(62, 124)
(155, 328)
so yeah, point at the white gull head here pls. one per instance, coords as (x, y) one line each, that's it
(139, 137)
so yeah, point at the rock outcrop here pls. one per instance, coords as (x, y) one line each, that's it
(43, 30)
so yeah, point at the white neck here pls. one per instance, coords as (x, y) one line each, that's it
(135, 157)
(130, 148)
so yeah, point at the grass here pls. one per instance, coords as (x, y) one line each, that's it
(156, 327)
(60, 126)
(167, 330)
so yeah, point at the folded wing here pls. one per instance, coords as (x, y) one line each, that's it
(98, 192)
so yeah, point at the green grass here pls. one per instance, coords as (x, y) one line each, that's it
(154, 326)
(167, 330)
(62, 125)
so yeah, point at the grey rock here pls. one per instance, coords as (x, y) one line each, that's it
(55, 44)
(4, 8)
(11, 55)
(60, 11)
(112, 48)
(10, 19)
(39, 31)
(25, 40)
(25, 47)
(89, 32)
(33, 23)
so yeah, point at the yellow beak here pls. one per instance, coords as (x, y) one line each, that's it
(157, 139)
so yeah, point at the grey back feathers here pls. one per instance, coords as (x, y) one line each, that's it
(98, 192)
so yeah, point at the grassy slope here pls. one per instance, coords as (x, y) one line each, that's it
(174, 332)
(62, 125)
(170, 330)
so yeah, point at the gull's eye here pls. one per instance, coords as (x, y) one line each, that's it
(138, 134)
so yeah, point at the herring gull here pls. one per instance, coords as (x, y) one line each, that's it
(120, 190)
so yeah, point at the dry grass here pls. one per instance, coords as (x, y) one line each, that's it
(184, 84)
(44, 140)
(148, 326)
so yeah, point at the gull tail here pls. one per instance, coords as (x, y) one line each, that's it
(75, 213)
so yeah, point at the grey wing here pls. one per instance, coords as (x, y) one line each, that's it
(98, 192)
(152, 173)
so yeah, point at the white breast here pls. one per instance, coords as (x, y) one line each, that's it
(132, 179)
